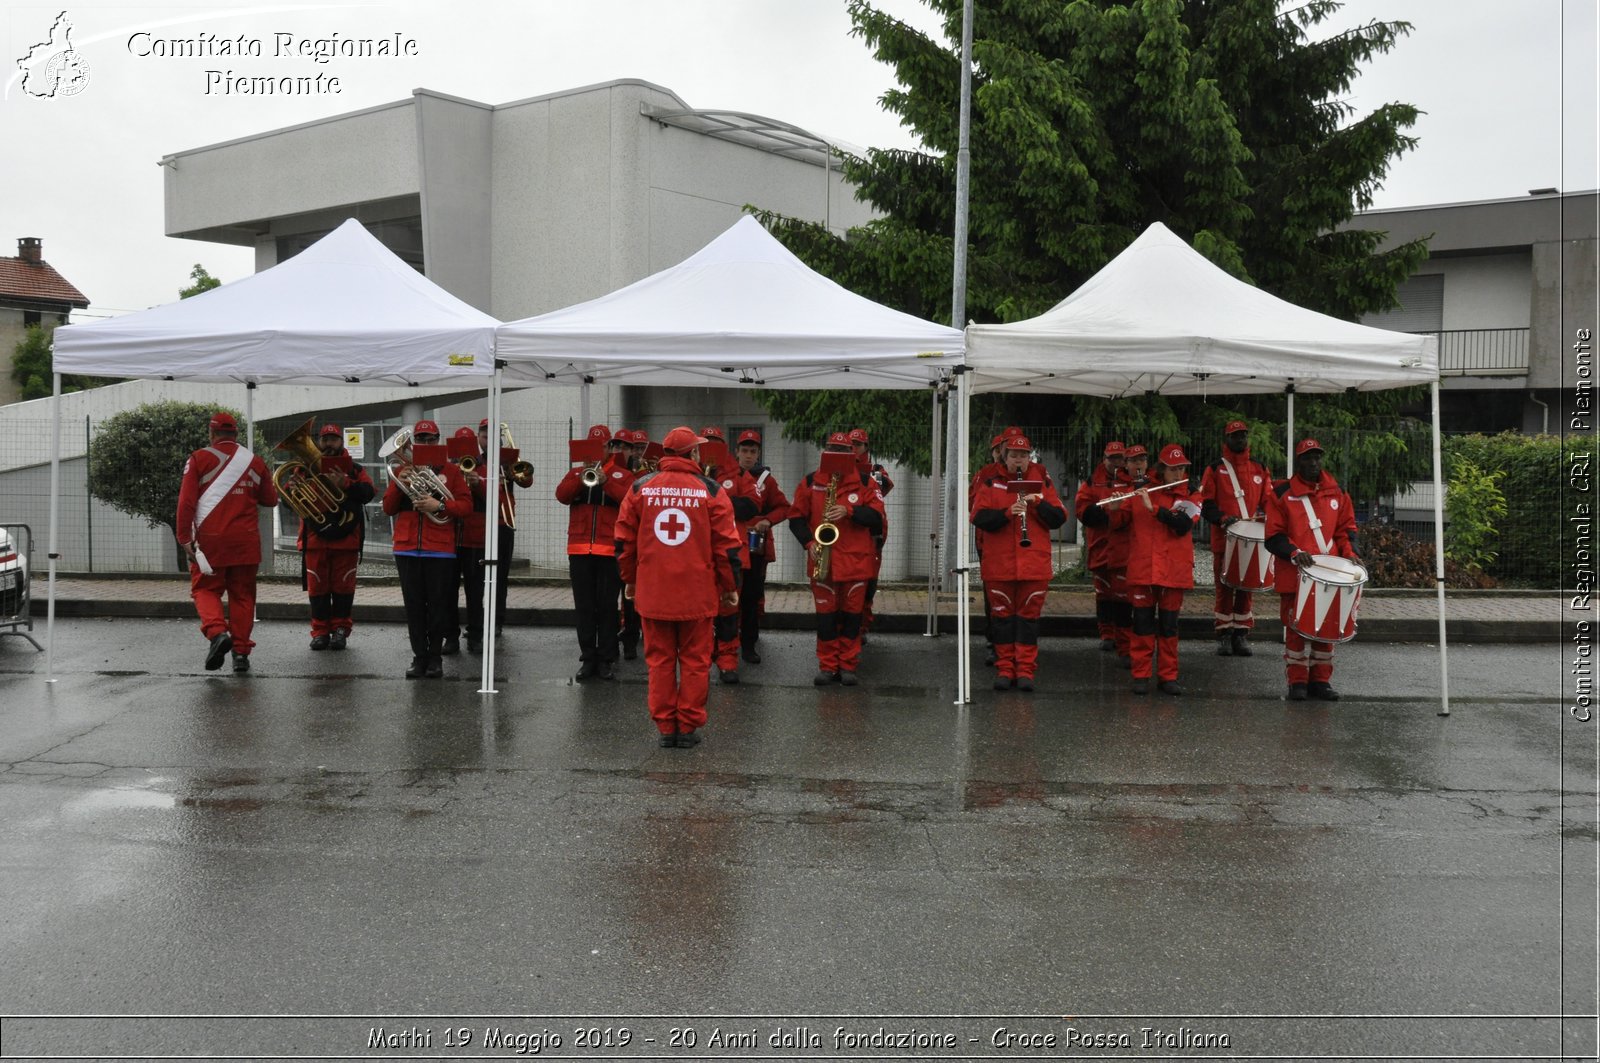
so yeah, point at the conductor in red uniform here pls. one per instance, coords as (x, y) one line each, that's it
(1016, 562)
(677, 550)
(1234, 488)
(223, 484)
(855, 509)
(1309, 513)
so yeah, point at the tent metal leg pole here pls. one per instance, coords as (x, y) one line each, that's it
(962, 551)
(1438, 558)
(55, 524)
(250, 447)
(1288, 429)
(491, 536)
(937, 483)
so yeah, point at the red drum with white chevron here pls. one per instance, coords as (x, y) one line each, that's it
(1246, 564)
(1329, 598)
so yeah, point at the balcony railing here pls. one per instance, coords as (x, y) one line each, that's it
(1483, 352)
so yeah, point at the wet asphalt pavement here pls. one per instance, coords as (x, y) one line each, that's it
(1363, 878)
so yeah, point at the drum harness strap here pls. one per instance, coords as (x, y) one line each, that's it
(1316, 525)
(1238, 491)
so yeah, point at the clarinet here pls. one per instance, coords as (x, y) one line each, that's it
(1023, 523)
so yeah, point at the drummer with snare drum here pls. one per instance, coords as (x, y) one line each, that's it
(1308, 515)
(1233, 491)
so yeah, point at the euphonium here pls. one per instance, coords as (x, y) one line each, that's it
(301, 485)
(418, 482)
(825, 535)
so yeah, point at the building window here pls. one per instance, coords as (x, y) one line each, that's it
(403, 236)
(31, 318)
(1421, 306)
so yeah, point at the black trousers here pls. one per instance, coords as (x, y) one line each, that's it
(428, 586)
(471, 558)
(751, 592)
(595, 587)
(630, 626)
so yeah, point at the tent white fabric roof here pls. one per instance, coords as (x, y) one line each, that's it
(742, 312)
(344, 310)
(1161, 317)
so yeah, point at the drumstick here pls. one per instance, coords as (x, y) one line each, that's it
(1135, 494)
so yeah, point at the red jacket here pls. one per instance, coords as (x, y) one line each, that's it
(1219, 500)
(741, 489)
(772, 505)
(1005, 559)
(592, 517)
(471, 531)
(357, 493)
(413, 530)
(1289, 527)
(1107, 535)
(676, 541)
(854, 556)
(1160, 546)
(230, 534)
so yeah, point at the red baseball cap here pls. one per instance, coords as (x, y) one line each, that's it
(681, 440)
(997, 440)
(641, 437)
(1307, 445)
(331, 430)
(430, 428)
(484, 423)
(224, 422)
(1018, 442)
(599, 431)
(749, 435)
(466, 433)
(713, 432)
(1235, 426)
(1172, 454)
(858, 435)
(1136, 451)
(1114, 447)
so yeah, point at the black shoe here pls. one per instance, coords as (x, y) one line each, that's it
(630, 653)
(729, 675)
(220, 645)
(822, 679)
(992, 658)
(419, 665)
(1125, 660)
(669, 741)
(474, 644)
(1025, 684)
(687, 740)
(587, 670)
(1224, 645)
(320, 642)
(1297, 692)
(450, 648)
(336, 640)
(1322, 692)
(434, 669)
(241, 663)
(1170, 686)
(847, 679)
(749, 653)
(608, 670)
(1141, 686)
(1108, 645)
(1002, 682)
(1241, 647)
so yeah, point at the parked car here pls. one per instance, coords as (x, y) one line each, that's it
(14, 543)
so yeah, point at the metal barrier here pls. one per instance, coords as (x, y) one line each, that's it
(16, 547)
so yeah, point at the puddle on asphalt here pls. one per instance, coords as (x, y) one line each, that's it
(118, 798)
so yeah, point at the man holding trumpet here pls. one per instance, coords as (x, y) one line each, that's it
(1016, 512)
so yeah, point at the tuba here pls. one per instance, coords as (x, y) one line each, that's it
(304, 489)
(418, 482)
(825, 535)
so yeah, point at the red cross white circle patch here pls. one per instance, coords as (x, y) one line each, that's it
(672, 527)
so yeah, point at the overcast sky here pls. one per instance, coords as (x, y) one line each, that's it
(1509, 90)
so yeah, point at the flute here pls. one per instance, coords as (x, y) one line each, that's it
(1135, 494)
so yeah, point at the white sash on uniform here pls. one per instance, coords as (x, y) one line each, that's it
(214, 493)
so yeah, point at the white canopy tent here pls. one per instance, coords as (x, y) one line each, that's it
(345, 310)
(1162, 318)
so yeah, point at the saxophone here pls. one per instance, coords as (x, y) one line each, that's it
(825, 535)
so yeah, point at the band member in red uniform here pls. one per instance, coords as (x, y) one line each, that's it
(867, 470)
(772, 507)
(740, 487)
(332, 554)
(505, 516)
(1233, 488)
(1133, 477)
(1016, 524)
(216, 524)
(470, 538)
(836, 495)
(638, 441)
(1160, 568)
(677, 551)
(425, 554)
(591, 554)
(1307, 514)
(1096, 547)
(995, 468)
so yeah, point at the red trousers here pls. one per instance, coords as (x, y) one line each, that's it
(839, 608)
(1155, 631)
(239, 583)
(1304, 660)
(678, 653)
(331, 585)
(1014, 608)
(1234, 609)
(1122, 632)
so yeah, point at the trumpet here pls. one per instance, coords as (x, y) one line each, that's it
(468, 464)
(592, 476)
(520, 471)
(417, 481)
(304, 488)
(824, 536)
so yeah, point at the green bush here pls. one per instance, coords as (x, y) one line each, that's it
(1474, 510)
(1531, 475)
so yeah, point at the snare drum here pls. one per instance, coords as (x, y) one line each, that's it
(1329, 598)
(1246, 565)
